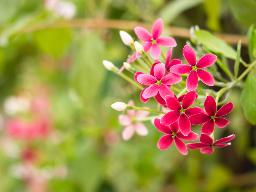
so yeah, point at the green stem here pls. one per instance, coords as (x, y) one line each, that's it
(129, 80)
(143, 109)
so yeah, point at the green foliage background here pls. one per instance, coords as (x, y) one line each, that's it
(68, 61)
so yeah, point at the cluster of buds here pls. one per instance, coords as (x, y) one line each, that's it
(179, 107)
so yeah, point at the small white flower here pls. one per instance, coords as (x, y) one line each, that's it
(15, 105)
(138, 47)
(108, 65)
(119, 106)
(127, 65)
(126, 38)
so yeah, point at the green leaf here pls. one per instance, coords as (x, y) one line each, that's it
(248, 99)
(237, 63)
(212, 9)
(175, 8)
(244, 11)
(8, 9)
(252, 42)
(53, 41)
(214, 44)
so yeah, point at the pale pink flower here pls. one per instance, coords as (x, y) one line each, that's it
(132, 122)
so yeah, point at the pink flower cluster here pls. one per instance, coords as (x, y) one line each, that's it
(183, 111)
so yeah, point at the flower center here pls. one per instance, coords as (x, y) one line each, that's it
(158, 82)
(153, 41)
(174, 134)
(194, 68)
(212, 117)
(182, 110)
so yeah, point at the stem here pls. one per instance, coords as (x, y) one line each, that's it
(143, 109)
(129, 80)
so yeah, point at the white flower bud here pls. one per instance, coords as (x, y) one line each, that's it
(119, 106)
(108, 65)
(126, 38)
(138, 47)
(127, 66)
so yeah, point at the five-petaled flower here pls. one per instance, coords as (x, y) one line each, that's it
(180, 111)
(132, 122)
(211, 116)
(195, 69)
(153, 41)
(172, 133)
(207, 144)
(158, 82)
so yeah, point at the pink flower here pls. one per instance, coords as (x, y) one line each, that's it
(211, 116)
(37, 129)
(133, 57)
(158, 82)
(172, 133)
(132, 122)
(195, 69)
(180, 111)
(207, 144)
(153, 41)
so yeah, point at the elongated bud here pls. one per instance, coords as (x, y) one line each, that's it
(127, 66)
(126, 38)
(138, 47)
(119, 106)
(108, 65)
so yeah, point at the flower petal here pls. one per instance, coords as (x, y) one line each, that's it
(206, 139)
(160, 100)
(128, 132)
(207, 150)
(136, 75)
(188, 99)
(142, 33)
(164, 142)
(210, 105)
(180, 69)
(221, 122)
(182, 148)
(164, 91)
(162, 128)
(169, 64)
(207, 60)
(146, 79)
(225, 139)
(141, 115)
(193, 111)
(208, 127)
(198, 118)
(124, 120)
(205, 77)
(195, 145)
(192, 81)
(171, 79)
(173, 103)
(159, 71)
(157, 28)
(184, 124)
(189, 55)
(191, 136)
(224, 110)
(143, 99)
(150, 91)
(174, 127)
(141, 129)
(155, 51)
(166, 41)
(169, 118)
(147, 46)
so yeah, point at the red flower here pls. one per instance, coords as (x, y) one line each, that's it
(158, 82)
(153, 41)
(207, 144)
(195, 69)
(169, 62)
(180, 111)
(211, 116)
(172, 133)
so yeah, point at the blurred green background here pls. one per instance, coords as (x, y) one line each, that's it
(48, 53)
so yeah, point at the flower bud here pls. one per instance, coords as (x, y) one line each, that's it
(119, 106)
(126, 38)
(127, 66)
(108, 65)
(138, 47)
